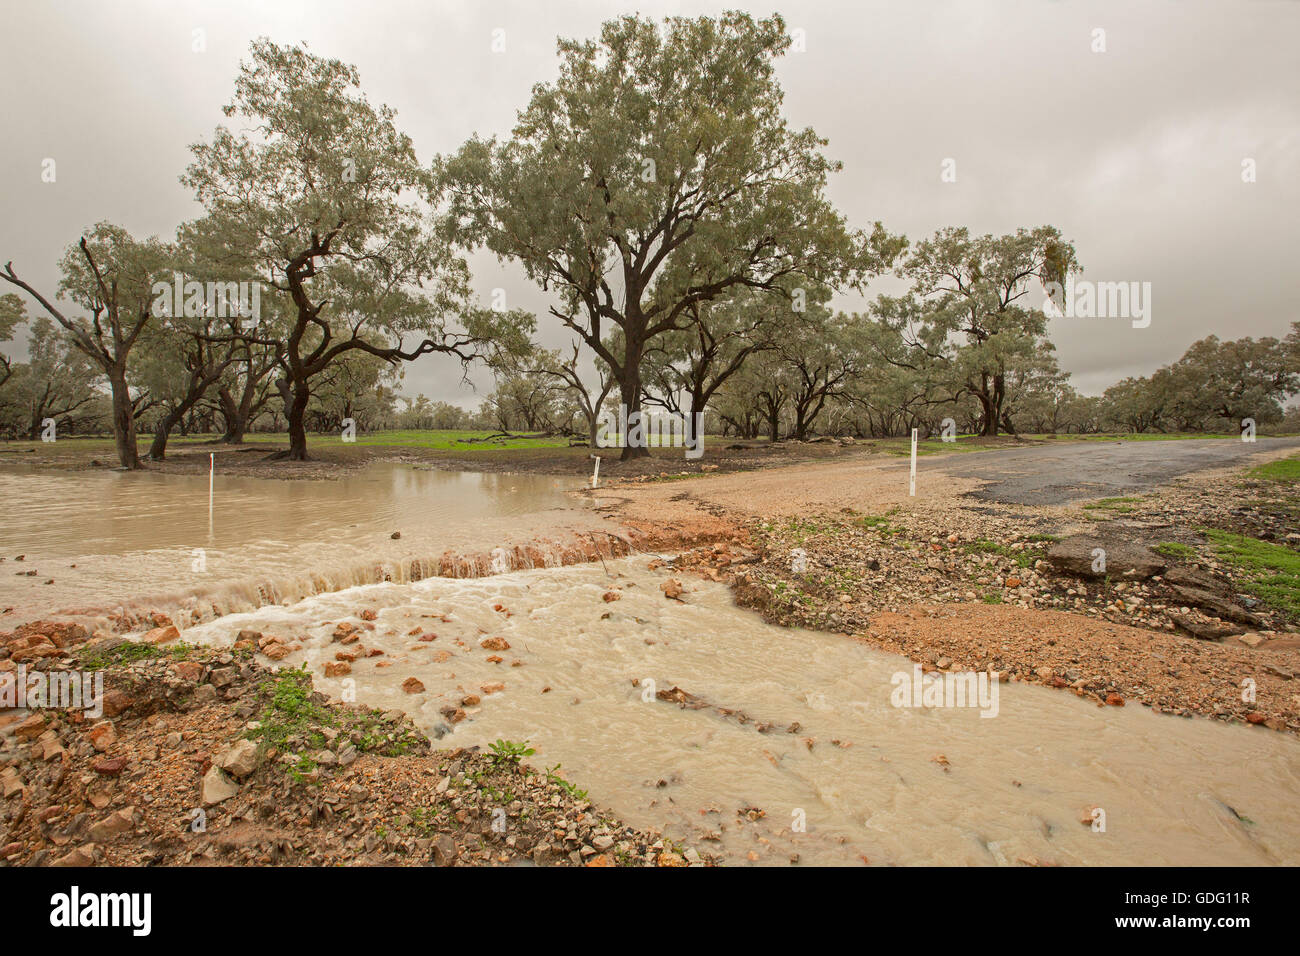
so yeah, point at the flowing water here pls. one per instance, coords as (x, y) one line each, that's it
(862, 774)
(110, 539)
(799, 751)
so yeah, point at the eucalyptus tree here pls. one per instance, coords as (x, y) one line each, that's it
(655, 174)
(111, 276)
(13, 313)
(687, 367)
(325, 199)
(56, 382)
(968, 319)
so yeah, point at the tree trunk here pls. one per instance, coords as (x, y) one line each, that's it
(295, 409)
(158, 449)
(630, 392)
(123, 420)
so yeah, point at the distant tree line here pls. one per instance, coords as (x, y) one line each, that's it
(654, 189)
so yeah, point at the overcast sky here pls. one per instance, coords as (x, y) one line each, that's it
(1134, 153)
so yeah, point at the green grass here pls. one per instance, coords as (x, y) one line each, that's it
(1284, 469)
(1177, 550)
(1024, 558)
(1120, 505)
(877, 523)
(444, 439)
(133, 651)
(1272, 570)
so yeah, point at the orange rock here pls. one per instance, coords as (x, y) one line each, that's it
(601, 860)
(1115, 700)
(492, 687)
(1013, 582)
(339, 669)
(607, 597)
(161, 635)
(494, 644)
(412, 686)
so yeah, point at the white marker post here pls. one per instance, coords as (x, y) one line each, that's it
(912, 488)
(595, 475)
(211, 468)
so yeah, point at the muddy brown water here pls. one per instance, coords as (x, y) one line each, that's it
(111, 539)
(865, 778)
(858, 778)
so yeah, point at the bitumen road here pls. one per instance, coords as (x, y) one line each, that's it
(1050, 473)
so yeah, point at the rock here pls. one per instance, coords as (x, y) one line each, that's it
(31, 728)
(494, 644)
(161, 635)
(337, 668)
(444, 851)
(1216, 604)
(217, 787)
(115, 823)
(116, 702)
(249, 635)
(1251, 639)
(492, 687)
(81, 856)
(412, 686)
(109, 766)
(189, 671)
(1114, 700)
(611, 596)
(103, 735)
(204, 694)
(1205, 630)
(1074, 556)
(240, 758)
(672, 589)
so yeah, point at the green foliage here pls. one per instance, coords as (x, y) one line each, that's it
(1282, 470)
(133, 651)
(510, 752)
(1120, 505)
(1272, 570)
(1176, 549)
(553, 775)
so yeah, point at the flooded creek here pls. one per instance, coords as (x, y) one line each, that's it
(109, 539)
(869, 780)
(795, 751)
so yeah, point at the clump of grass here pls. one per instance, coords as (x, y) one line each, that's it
(1121, 505)
(1285, 469)
(878, 523)
(290, 711)
(1272, 570)
(1176, 550)
(553, 775)
(1023, 558)
(133, 651)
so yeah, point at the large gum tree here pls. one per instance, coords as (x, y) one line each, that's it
(325, 199)
(655, 174)
(110, 275)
